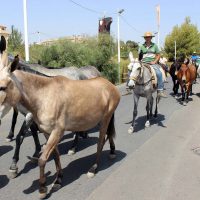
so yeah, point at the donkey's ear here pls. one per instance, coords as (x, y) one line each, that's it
(14, 65)
(2, 44)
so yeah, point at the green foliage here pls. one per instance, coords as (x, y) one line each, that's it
(15, 43)
(187, 39)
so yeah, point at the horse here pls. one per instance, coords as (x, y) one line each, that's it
(175, 66)
(81, 106)
(186, 76)
(141, 81)
(74, 73)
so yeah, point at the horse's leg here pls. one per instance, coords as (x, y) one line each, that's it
(104, 128)
(148, 107)
(19, 139)
(50, 146)
(34, 131)
(73, 148)
(136, 99)
(14, 120)
(151, 107)
(156, 107)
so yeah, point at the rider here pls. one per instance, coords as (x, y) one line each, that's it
(150, 53)
(194, 57)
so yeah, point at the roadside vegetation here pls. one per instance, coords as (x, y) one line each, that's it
(101, 51)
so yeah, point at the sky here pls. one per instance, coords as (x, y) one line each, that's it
(48, 19)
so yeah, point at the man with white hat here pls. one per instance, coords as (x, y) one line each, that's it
(150, 53)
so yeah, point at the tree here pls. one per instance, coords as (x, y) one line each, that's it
(187, 39)
(15, 43)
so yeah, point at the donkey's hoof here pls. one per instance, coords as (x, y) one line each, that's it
(90, 174)
(8, 139)
(33, 159)
(147, 124)
(131, 130)
(43, 195)
(13, 174)
(56, 186)
(71, 152)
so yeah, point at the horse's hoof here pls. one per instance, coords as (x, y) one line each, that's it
(112, 156)
(71, 152)
(90, 174)
(176, 97)
(131, 130)
(33, 159)
(147, 124)
(184, 103)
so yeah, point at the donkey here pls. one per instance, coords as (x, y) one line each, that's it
(71, 72)
(54, 112)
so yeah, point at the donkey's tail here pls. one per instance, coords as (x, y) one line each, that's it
(111, 128)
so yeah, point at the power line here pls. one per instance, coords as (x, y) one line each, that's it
(89, 9)
(130, 25)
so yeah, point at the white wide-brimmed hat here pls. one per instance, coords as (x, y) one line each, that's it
(148, 34)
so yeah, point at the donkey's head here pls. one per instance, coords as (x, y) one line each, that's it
(8, 93)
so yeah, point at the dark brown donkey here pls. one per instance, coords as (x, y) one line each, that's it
(186, 76)
(58, 104)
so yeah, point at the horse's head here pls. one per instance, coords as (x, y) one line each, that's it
(183, 73)
(7, 97)
(136, 74)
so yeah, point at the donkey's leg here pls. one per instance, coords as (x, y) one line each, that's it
(73, 148)
(111, 134)
(19, 139)
(136, 99)
(14, 120)
(34, 131)
(50, 146)
(101, 142)
(58, 182)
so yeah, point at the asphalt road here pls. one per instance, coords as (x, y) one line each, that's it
(76, 185)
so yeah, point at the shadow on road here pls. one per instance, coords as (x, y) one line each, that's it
(4, 181)
(5, 149)
(140, 122)
(76, 168)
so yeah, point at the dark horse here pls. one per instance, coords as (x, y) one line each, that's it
(82, 73)
(186, 77)
(173, 72)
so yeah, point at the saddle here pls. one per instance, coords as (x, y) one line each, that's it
(153, 73)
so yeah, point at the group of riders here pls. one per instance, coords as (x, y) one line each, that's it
(149, 53)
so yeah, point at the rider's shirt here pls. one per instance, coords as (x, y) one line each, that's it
(194, 57)
(149, 53)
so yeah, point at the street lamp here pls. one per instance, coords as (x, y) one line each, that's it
(26, 31)
(119, 13)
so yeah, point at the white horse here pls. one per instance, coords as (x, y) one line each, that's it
(141, 81)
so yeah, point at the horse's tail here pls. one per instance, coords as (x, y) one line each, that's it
(111, 128)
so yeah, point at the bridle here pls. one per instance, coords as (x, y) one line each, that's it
(136, 78)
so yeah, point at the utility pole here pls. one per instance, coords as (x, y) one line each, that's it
(26, 32)
(119, 13)
(175, 50)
